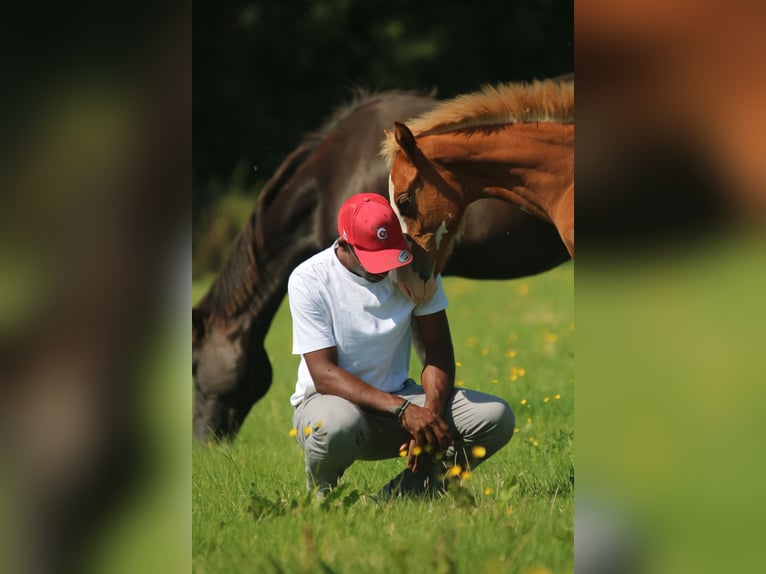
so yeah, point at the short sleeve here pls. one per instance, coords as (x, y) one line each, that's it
(437, 303)
(312, 325)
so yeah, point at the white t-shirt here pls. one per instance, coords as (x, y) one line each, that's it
(369, 323)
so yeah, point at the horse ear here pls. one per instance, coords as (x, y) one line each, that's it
(405, 139)
(198, 326)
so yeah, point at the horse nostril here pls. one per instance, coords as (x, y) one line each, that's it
(423, 268)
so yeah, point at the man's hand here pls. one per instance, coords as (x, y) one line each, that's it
(430, 434)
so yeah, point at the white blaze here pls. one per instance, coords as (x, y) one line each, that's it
(440, 233)
(393, 205)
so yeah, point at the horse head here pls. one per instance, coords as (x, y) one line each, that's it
(231, 371)
(430, 206)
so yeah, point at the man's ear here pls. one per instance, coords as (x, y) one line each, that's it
(405, 139)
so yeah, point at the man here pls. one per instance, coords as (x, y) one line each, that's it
(353, 399)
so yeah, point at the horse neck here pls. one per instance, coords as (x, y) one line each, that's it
(248, 290)
(244, 294)
(530, 165)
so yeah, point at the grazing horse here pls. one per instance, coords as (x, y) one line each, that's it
(294, 217)
(514, 142)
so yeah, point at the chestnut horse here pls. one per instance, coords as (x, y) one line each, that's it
(514, 142)
(294, 217)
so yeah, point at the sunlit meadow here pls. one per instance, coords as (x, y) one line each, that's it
(515, 513)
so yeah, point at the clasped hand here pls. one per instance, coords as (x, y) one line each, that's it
(430, 434)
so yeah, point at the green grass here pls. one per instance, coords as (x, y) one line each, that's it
(514, 339)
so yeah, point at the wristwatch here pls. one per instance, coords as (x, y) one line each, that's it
(398, 411)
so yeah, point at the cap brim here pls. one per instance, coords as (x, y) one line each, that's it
(383, 260)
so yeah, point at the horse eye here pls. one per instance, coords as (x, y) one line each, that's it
(404, 204)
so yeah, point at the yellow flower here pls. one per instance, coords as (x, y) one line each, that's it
(458, 364)
(318, 425)
(484, 352)
(465, 475)
(307, 431)
(488, 491)
(546, 399)
(529, 420)
(516, 429)
(293, 432)
(511, 354)
(403, 452)
(417, 450)
(557, 397)
(551, 337)
(522, 372)
(459, 383)
(494, 381)
(479, 451)
(455, 470)
(523, 401)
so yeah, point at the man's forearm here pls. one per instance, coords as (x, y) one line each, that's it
(438, 376)
(437, 384)
(330, 379)
(336, 381)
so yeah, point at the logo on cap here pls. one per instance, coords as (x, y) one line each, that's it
(382, 233)
(404, 256)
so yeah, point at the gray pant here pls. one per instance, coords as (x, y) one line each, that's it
(334, 432)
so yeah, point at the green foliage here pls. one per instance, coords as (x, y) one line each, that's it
(211, 242)
(514, 339)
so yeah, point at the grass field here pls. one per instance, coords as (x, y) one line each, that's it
(515, 339)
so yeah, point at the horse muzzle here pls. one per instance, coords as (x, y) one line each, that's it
(414, 288)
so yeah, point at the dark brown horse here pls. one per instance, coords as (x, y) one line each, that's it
(295, 217)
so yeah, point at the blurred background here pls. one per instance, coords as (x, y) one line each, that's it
(268, 73)
(669, 284)
(95, 208)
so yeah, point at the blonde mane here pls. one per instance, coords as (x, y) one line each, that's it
(539, 101)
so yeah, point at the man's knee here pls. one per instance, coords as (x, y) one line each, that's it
(497, 423)
(340, 431)
(505, 421)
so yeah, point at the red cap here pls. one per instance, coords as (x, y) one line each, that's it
(367, 222)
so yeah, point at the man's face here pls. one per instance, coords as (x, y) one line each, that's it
(358, 268)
